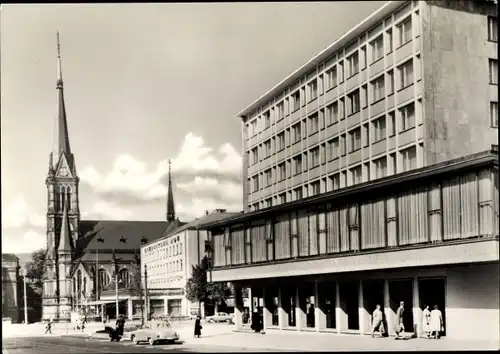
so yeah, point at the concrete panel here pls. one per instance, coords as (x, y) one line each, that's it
(420, 131)
(418, 88)
(314, 173)
(379, 147)
(266, 163)
(491, 49)
(390, 101)
(354, 157)
(352, 82)
(493, 93)
(407, 137)
(472, 302)
(267, 192)
(376, 67)
(363, 76)
(312, 106)
(295, 180)
(280, 155)
(377, 108)
(364, 114)
(266, 134)
(405, 94)
(280, 125)
(313, 139)
(418, 43)
(295, 116)
(331, 95)
(332, 166)
(296, 148)
(365, 153)
(252, 141)
(281, 186)
(404, 52)
(353, 119)
(332, 130)
(444, 254)
(252, 169)
(392, 143)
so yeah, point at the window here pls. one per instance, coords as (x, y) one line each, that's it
(321, 119)
(380, 167)
(297, 164)
(379, 129)
(364, 91)
(315, 188)
(407, 117)
(341, 108)
(333, 148)
(366, 135)
(281, 171)
(295, 101)
(280, 141)
(363, 55)
(296, 133)
(390, 78)
(267, 119)
(354, 104)
(304, 165)
(331, 78)
(377, 49)
(322, 154)
(267, 148)
(389, 41)
(355, 139)
(255, 181)
(297, 194)
(356, 175)
(314, 153)
(392, 124)
(493, 29)
(269, 202)
(494, 71)
(281, 110)
(494, 114)
(334, 182)
(378, 89)
(282, 198)
(332, 113)
(313, 90)
(353, 64)
(342, 145)
(341, 72)
(405, 32)
(253, 127)
(409, 158)
(406, 74)
(313, 123)
(268, 177)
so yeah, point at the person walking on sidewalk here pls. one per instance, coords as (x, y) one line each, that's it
(378, 321)
(48, 327)
(400, 327)
(436, 322)
(426, 322)
(197, 327)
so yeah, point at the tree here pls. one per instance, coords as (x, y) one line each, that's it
(135, 285)
(35, 269)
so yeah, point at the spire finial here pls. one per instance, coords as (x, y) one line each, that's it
(58, 46)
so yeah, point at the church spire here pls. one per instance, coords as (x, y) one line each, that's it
(170, 196)
(65, 240)
(61, 136)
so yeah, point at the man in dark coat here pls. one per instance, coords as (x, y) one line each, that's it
(197, 327)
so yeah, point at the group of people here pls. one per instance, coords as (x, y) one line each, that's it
(432, 322)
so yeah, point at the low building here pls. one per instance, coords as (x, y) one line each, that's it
(169, 261)
(429, 236)
(11, 288)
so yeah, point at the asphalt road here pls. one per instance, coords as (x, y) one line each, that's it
(56, 345)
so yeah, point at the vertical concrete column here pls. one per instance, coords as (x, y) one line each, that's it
(281, 311)
(130, 309)
(362, 313)
(266, 314)
(387, 308)
(319, 314)
(299, 313)
(417, 311)
(165, 306)
(238, 307)
(339, 312)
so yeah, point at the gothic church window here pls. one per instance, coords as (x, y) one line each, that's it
(104, 278)
(68, 192)
(124, 277)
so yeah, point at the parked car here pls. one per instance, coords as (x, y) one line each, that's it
(155, 332)
(220, 317)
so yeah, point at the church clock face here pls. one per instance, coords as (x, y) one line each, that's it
(63, 172)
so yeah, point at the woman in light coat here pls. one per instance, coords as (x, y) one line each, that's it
(436, 322)
(426, 321)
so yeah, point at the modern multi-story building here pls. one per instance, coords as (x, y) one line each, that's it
(169, 261)
(382, 183)
(412, 85)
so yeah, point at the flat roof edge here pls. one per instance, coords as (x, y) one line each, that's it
(368, 22)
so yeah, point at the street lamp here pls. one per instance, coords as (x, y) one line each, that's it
(101, 240)
(25, 273)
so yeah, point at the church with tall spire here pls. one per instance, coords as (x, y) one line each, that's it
(84, 258)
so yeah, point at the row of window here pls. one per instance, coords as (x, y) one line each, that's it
(336, 75)
(165, 280)
(164, 243)
(377, 169)
(163, 252)
(165, 268)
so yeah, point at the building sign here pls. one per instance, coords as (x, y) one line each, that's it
(167, 292)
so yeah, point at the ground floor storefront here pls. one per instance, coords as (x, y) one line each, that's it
(467, 295)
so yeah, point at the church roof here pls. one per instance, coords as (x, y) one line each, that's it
(117, 235)
(65, 241)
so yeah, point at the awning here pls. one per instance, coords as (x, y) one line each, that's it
(102, 302)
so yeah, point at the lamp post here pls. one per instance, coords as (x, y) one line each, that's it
(101, 240)
(25, 272)
(115, 266)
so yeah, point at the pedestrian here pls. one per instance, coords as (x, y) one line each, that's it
(120, 325)
(48, 327)
(377, 321)
(197, 327)
(436, 322)
(400, 327)
(426, 321)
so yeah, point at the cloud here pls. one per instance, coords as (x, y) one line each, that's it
(22, 242)
(104, 210)
(17, 214)
(204, 179)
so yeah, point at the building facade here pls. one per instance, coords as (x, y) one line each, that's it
(377, 102)
(169, 261)
(371, 177)
(79, 263)
(11, 285)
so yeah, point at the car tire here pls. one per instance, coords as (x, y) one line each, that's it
(151, 341)
(211, 320)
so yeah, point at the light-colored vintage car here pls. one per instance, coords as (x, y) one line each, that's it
(155, 332)
(220, 317)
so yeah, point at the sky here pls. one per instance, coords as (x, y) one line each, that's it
(144, 83)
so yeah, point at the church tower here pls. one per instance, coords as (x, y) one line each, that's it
(170, 196)
(63, 214)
